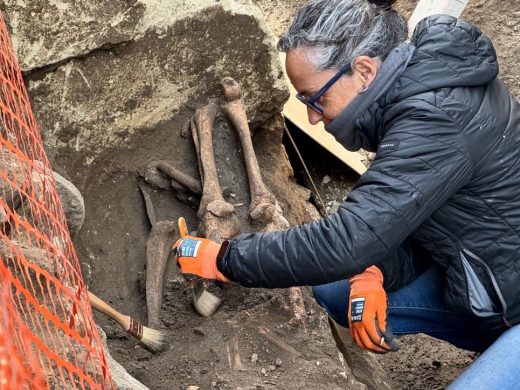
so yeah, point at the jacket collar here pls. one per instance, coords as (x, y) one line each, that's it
(346, 127)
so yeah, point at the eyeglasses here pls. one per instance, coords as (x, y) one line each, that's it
(311, 102)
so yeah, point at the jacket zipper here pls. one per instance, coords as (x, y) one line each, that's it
(494, 282)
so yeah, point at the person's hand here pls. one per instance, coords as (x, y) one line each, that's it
(367, 312)
(197, 258)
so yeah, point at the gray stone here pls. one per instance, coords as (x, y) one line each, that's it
(362, 368)
(72, 203)
(174, 62)
(47, 32)
(122, 379)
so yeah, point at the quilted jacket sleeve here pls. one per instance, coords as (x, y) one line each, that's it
(423, 163)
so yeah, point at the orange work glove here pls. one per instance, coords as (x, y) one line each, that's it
(197, 258)
(367, 312)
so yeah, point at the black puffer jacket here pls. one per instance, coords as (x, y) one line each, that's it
(445, 181)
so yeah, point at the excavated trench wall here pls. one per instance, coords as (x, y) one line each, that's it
(99, 73)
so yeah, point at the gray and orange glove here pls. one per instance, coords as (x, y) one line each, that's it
(367, 312)
(197, 258)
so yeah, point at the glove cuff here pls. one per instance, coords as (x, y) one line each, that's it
(371, 273)
(211, 254)
(222, 262)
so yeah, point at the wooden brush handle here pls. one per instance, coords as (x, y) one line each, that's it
(106, 309)
(183, 227)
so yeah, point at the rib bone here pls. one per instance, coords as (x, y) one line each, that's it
(180, 177)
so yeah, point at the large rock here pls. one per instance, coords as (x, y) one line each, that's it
(72, 203)
(120, 377)
(174, 62)
(46, 32)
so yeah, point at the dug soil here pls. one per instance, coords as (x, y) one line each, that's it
(255, 326)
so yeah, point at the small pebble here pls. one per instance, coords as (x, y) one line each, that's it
(263, 371)
(326, 179)
(278, 362)
(254, 358)
(271, 368)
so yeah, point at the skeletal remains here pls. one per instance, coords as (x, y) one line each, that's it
(218, 220)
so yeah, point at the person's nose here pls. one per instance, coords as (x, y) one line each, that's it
(314, 116)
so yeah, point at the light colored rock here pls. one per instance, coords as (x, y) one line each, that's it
(46, 32)
(175, 61)
(362, 369)
(121, 378)
(72, 203)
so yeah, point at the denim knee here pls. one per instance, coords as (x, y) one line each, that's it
(333, 297)
(320, 294)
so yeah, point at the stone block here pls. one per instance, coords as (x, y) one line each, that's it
(98, 101)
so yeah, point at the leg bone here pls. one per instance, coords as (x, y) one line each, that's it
(262, 205)
(218, 218)
(157, 252)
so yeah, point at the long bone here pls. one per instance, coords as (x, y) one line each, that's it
(264, 207)
(158, 247)
(180, 177)
(218, 219)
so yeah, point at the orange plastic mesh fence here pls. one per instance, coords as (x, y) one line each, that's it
(47, 331)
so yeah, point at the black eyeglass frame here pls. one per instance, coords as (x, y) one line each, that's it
(311, 102)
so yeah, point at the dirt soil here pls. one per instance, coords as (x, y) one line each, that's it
(275, 352)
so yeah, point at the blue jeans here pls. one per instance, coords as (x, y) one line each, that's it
(497, 368)
(419, 308)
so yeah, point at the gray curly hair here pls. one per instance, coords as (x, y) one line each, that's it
(338, 31)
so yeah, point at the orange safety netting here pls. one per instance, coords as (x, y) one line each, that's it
(48, 338)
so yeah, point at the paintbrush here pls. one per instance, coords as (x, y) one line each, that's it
(153, 339)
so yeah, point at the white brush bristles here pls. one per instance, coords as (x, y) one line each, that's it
(154, 339)
(206, 303)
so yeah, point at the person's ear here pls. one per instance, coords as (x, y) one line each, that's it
(366, 69)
